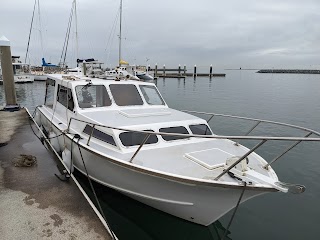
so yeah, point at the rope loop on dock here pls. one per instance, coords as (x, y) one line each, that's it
(24, 160)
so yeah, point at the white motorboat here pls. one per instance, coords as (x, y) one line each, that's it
(143, 75)
(21, 71)
(123, 135)
(120, 73)
(93, 68)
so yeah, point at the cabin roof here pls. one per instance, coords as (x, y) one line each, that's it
(73, 80)
(138, 117)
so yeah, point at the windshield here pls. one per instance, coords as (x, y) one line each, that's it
(125, 94)
(151, 95)
(90, 96)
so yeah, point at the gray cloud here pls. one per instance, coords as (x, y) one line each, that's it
(274, 33)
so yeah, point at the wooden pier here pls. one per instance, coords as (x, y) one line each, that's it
(182, 72)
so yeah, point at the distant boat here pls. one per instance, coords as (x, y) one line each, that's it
(21, 71)
(122, 72)
(45, 64)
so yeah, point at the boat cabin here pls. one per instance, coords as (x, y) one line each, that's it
(134, 105)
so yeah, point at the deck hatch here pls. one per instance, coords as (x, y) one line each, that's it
(209, 158)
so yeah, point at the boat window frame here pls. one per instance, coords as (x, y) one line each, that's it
(109, 98)
(68, 106)
(88, 132)
(203, 124)
(144, 135)
(144, 94)
(115, 97)
(168, 138)
(50, 83)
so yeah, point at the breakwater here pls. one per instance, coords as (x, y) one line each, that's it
(294, 71)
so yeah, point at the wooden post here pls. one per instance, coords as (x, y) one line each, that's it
(7, 75)
(210, 72)
(164, 69)
(155, 74)
(195, 71)
(84, 68)
(184, 70)
(179, 70)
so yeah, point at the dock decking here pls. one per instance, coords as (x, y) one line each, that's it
(34, 203)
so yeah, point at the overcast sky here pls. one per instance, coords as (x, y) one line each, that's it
(227, 34)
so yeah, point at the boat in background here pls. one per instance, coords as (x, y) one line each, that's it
(21, 71)
(142, 73)
(122, 73)
(94, 68)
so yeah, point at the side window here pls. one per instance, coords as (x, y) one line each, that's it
(64, 96)
(200, 129)
(99, 135)
(50, 85)
(136, 138)
(180, 130)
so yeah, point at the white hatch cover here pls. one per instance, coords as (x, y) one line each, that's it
(209, 158)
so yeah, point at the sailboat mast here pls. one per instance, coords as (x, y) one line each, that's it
(40, 29)
(120, 32)
(76, 20)
(34, 8)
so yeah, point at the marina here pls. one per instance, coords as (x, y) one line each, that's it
(169, 89)
(100, 145)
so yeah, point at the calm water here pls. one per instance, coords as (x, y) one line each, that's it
(292, 99)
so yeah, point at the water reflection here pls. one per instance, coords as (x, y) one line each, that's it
(28, 94)
(131, 219)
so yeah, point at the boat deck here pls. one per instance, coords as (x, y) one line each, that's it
(202, 159)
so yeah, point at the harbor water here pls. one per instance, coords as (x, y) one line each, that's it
(289, 98)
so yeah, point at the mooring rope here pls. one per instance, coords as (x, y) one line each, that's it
(235, 210)
(92, 188)
(24, 160)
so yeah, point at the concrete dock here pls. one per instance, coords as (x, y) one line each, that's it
(34, 203)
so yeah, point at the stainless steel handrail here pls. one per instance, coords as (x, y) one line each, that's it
(254, 119)
(205, 136)
(246, 137)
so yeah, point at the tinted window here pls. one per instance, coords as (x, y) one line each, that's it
(64, 96)
(135, 138)
(200, 129)
(151, 95)
(125, 94)
(90, 96)
(50, 85)
(99, 135)
(179, 130)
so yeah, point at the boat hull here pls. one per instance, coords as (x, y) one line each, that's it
(23, 78)
(190, 200)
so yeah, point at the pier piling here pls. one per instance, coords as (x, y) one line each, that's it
(7, 75)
